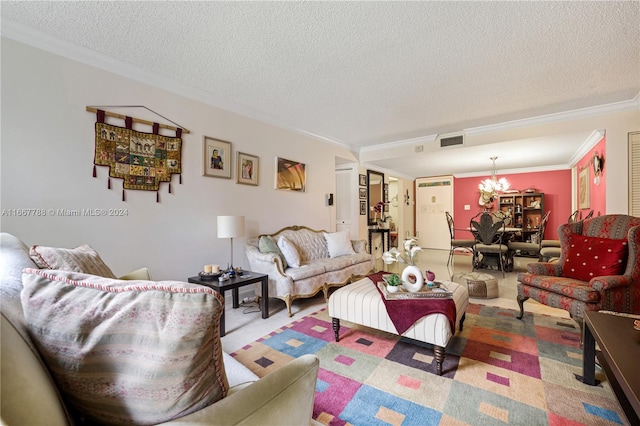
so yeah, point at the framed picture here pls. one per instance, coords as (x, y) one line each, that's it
(247, 169)
(290, 175)
(583, 188)
(363, 208)
(363, 193)
(363, 180)
(217, 158)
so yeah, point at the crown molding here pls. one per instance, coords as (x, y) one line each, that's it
(24, 34)
(51, 44)
(559, 116)
(595, 137)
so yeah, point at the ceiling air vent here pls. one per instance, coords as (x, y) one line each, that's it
(451, 141)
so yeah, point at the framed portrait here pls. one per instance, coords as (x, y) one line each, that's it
(363, 180)
(363, 208)
(217, 158)
(291, 175)
(583, 188)
(363, 193)
(247, 169)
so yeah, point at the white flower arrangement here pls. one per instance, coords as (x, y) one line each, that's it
(411, 248)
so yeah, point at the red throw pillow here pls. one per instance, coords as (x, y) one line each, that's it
(590, 257)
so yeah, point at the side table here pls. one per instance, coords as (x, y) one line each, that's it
(619, 345)
(234, 284)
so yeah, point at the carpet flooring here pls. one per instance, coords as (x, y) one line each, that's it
(497, 370)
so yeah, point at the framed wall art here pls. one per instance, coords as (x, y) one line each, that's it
(363, 193)
(363, 208)
(217, 158)
(290, 175)
(247, 169)
(583, 188)
(363, 180)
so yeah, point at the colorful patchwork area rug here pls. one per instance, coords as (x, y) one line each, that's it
(498, 370)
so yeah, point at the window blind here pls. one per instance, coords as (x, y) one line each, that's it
(634, 174)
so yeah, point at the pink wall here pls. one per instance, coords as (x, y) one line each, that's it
(556, 186)
(597, 193)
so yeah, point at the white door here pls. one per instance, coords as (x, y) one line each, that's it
(434, 196)
(344, 201)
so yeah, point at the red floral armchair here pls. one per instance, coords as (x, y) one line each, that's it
(599, 269)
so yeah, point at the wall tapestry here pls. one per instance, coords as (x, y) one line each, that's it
(142, 160)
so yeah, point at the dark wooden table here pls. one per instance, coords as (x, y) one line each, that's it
(234, 284)
(619, 355)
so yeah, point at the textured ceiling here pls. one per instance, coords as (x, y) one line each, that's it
(369, 73)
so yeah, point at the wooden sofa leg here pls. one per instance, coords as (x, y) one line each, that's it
(439, 355)
(288, 301)
(521, 300)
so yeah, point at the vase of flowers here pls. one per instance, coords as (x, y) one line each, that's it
(411, 248)
(383, 222)
(412, 279)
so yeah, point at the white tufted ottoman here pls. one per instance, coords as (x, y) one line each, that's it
(480, 285)
(361, 303)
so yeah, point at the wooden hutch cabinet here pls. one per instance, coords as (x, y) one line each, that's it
(525, 211)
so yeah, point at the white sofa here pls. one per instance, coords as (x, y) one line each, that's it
(30, 395)
(321, 260)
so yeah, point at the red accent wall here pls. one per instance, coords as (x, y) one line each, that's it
(597, 193)
(556, 186)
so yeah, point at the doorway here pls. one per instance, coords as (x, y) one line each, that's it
(345, 200)
(434, 197)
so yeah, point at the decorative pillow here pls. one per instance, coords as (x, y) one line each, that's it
(590, 257)
(289, 251)
(135, 352)
(339, 243)
(266, 244)
(80, 259)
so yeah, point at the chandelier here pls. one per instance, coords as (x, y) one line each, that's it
(489, 188)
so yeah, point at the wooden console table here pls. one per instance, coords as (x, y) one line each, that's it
(619, 352)
(382, 233)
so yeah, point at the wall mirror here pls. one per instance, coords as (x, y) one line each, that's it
(375, 193)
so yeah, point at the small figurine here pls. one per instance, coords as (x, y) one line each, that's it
(430, 278)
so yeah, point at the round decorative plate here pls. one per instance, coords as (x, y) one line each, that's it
(209, 276)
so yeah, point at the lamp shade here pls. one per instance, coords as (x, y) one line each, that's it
(230, 226)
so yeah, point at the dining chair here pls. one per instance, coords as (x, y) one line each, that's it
(489, 231)
(531, 248)
(574, 217)
(456, 243)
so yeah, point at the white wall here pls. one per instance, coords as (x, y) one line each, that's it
(47, 150)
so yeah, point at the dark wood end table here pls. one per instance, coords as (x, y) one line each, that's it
(234, 284)
(619, 352)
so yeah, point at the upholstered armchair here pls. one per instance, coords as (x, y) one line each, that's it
(598, 269)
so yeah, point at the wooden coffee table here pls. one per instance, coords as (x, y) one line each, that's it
(619, 353)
